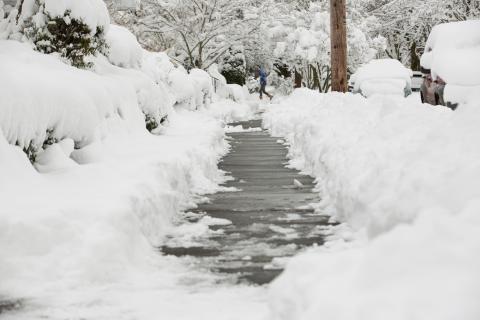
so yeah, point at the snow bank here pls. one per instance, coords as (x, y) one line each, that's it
(405, 177)
(123, 47)
(383, 76)
(97, 225)
(451, 53)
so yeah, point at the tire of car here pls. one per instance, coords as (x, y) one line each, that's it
(452, 106)
(421, 97)
(437, 99)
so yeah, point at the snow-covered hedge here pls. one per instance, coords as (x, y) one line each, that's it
(405, 178)
(43, 97)
(123, 48)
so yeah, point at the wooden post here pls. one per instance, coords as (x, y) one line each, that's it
(338, 38)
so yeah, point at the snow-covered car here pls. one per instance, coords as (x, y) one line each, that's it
(451, 64)
(351, 83)
(417, 80)
(382, 76)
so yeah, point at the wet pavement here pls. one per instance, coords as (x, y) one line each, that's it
(271, 215)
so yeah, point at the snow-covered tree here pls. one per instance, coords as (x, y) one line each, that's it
(197, 33)
(300, 40)
(406, 24)
(233, 66)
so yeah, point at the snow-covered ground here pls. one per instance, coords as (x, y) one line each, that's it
(80, 228)
(80, 241)
(405, 178)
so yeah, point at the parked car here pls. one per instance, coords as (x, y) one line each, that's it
(451, 64)
(382, 76)
(417, 81)
(351, 83)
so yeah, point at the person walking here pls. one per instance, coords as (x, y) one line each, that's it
(263, 83)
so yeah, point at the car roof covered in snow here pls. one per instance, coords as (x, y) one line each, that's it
(452, 52)
(382, 69)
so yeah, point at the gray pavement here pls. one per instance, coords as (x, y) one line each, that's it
(271, 217)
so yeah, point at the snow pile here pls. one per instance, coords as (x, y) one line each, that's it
(123, 47)
(405, 177)
(451, 53)
(87, 227)
(383, 76)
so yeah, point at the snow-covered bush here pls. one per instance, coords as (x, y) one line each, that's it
(123, 48)
(69, 102)
(74, 29)
(203, 87)
(300, 41)
(233, 66)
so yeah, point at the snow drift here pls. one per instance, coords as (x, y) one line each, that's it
(404, 176)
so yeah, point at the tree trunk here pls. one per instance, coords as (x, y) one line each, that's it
(338, 36)
(298, 79)
(414, 59)
(20, 8)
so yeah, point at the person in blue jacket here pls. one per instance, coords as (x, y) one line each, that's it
(263, 83)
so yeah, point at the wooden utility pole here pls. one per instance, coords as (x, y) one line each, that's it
(338, 38)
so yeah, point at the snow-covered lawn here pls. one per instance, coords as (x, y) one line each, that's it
(405, 178)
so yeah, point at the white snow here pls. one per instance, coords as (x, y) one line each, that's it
(382, 76)
(123, 47)
(93, 13)
(404, 176)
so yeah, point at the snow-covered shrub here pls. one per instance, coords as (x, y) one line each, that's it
(157, 65)
(203, 87)
(69, 37)
(282, 85)
(233, 66)
(44, 100)
(123, 48)
(74, 29)
(191, 90)
(183, 87)
(238, 93)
